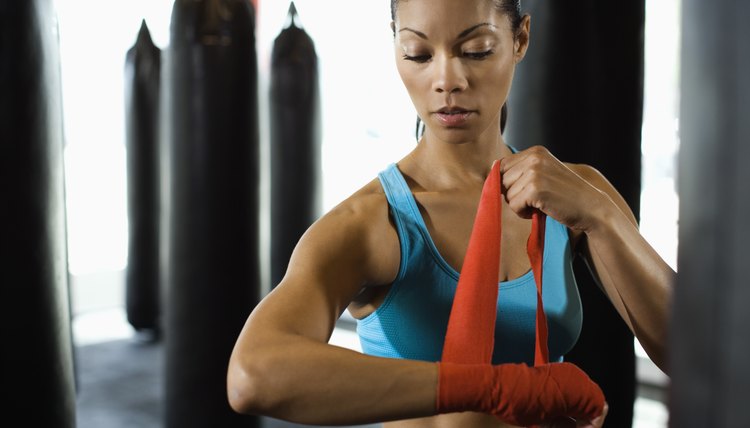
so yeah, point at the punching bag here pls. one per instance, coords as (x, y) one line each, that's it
(709, 346)
(295, 141)
(212, 198)
(142, 74)
(579, 92)
(37, 351)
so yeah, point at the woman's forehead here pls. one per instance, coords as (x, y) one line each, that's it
(446, 18)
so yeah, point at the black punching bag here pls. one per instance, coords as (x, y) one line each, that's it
(579, 92)
(295, 141)
(212, 198)
(37, 352)
(709, 346)
(142, 73)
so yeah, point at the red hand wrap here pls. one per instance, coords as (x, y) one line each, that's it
(515, 393)
(519, 394)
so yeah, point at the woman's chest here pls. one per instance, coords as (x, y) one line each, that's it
(449, 218)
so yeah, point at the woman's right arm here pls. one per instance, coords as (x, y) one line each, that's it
(282, 365)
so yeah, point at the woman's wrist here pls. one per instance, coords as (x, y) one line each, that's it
(604, 217)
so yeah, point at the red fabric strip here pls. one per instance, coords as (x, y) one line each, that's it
(471, 326)
(535, 249)
(515, 393)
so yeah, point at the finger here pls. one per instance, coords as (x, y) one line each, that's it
(565, 422)
(506, 162)
(522, 209)
(598, 422)
(524, 182)
(510, 161)
(514, 180)
(511, 167)
(516, 201)
(529, 165)
(568, 422)
(519, 204)
(524, 198)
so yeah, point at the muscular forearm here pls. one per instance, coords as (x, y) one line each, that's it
(309, 382)
(298, 379)
(637, 280)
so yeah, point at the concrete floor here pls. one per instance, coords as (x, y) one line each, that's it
(119, 380)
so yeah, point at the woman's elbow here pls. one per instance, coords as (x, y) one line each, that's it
(249, 389)
(240, 390)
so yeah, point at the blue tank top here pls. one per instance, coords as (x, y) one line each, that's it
(412, 320)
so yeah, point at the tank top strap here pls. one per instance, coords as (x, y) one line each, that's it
(402, 209)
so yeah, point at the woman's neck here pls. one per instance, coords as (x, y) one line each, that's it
(453, 163)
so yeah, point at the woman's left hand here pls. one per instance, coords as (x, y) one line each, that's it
(535, 179)
(598, 422)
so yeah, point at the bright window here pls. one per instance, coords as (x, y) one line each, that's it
(368, 120)
(659, 202)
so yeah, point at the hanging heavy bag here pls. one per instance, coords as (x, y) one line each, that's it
(295, 141)
(142, 74)
(37, 350)
(211, 213)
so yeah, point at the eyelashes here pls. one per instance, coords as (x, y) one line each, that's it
(478, 55)
(420, 59)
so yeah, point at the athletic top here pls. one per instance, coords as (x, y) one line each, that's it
(412, 320)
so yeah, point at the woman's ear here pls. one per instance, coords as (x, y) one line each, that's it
(393, 27)
(522, 38)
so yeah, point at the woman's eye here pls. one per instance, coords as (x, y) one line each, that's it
(417, 58)
(478, 55)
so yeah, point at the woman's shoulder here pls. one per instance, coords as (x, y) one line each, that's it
(361, 224)
(364, 202)
(361, 216)
(589, 173)
(594, 177)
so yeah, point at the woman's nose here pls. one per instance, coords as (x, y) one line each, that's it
(449, 75)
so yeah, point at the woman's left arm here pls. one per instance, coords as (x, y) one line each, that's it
(633, 275)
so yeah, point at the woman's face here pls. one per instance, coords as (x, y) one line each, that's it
(456, 59)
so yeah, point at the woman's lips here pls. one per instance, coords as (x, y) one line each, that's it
(453, 119)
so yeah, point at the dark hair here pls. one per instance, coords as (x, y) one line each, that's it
(510, 8)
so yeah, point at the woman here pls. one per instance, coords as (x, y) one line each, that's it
(391, 253)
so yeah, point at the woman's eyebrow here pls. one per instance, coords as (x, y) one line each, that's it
(469, 30)
(418, 33)
(461, 35)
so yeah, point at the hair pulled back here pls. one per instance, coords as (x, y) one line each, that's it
(510, 8)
